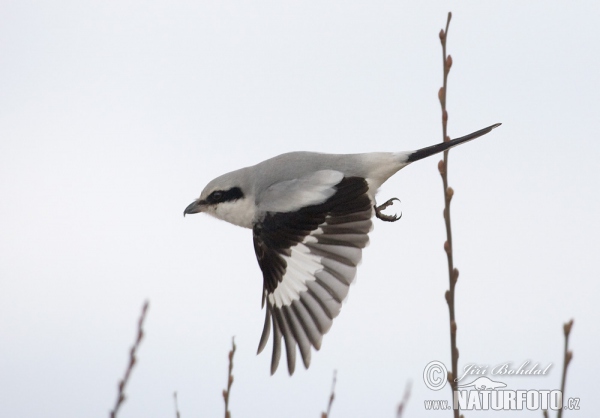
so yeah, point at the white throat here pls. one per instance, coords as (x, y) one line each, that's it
(240, 212)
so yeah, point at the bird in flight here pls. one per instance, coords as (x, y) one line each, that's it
(310, 216)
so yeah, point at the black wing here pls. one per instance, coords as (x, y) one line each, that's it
(309, 259)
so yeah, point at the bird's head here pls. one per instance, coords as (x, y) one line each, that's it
(228, 198)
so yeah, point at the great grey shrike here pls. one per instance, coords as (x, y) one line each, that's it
(310, 216)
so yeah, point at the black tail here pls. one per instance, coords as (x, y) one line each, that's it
(434, 149)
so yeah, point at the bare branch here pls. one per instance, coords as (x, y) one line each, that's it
(227, 391)
(132, 362)
(177, 415)
(405, 399)
(331, 397)
(568, 356)
(448, 194)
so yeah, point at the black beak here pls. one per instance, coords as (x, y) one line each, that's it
(194, 207)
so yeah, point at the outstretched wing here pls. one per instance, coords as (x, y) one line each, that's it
(308, 258)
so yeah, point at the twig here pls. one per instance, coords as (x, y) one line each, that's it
(177, 415)
(448, 193)
(568, 356)
(331, 397)
(132, 361)
(405, 399)
(227, 392)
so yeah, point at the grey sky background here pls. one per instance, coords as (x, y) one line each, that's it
(114, 115)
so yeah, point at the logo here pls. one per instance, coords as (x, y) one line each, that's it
(435, 375)
(483, 383)
(485, 393)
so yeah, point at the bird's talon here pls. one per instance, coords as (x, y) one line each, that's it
(383, 216)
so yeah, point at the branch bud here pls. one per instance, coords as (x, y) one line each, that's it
(449, 193)
(442, 167)
(448, 62)
(441, 94)
(567, 327)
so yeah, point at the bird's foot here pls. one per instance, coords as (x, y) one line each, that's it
(383, 216)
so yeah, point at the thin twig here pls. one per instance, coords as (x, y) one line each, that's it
(405, 399)
(132, 362)
(448, 193)
(177, 415)
(227, 392)
(331, 397)
(568, 356)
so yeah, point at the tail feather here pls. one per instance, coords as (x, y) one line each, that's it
(434, 149)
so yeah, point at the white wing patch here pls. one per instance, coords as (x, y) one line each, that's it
(304, 266)
(301, 268)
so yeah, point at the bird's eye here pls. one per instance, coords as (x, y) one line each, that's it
(216, 196)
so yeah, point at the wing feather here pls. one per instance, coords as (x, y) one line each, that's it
(309, 258)
(318, 313)
(266, 331)
(299, 334)
(336, 288)
(276, 345)
(308, 323)
(288, 338)
(347, 255)
(330, 305)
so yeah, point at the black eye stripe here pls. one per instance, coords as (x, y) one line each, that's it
(219, 196)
